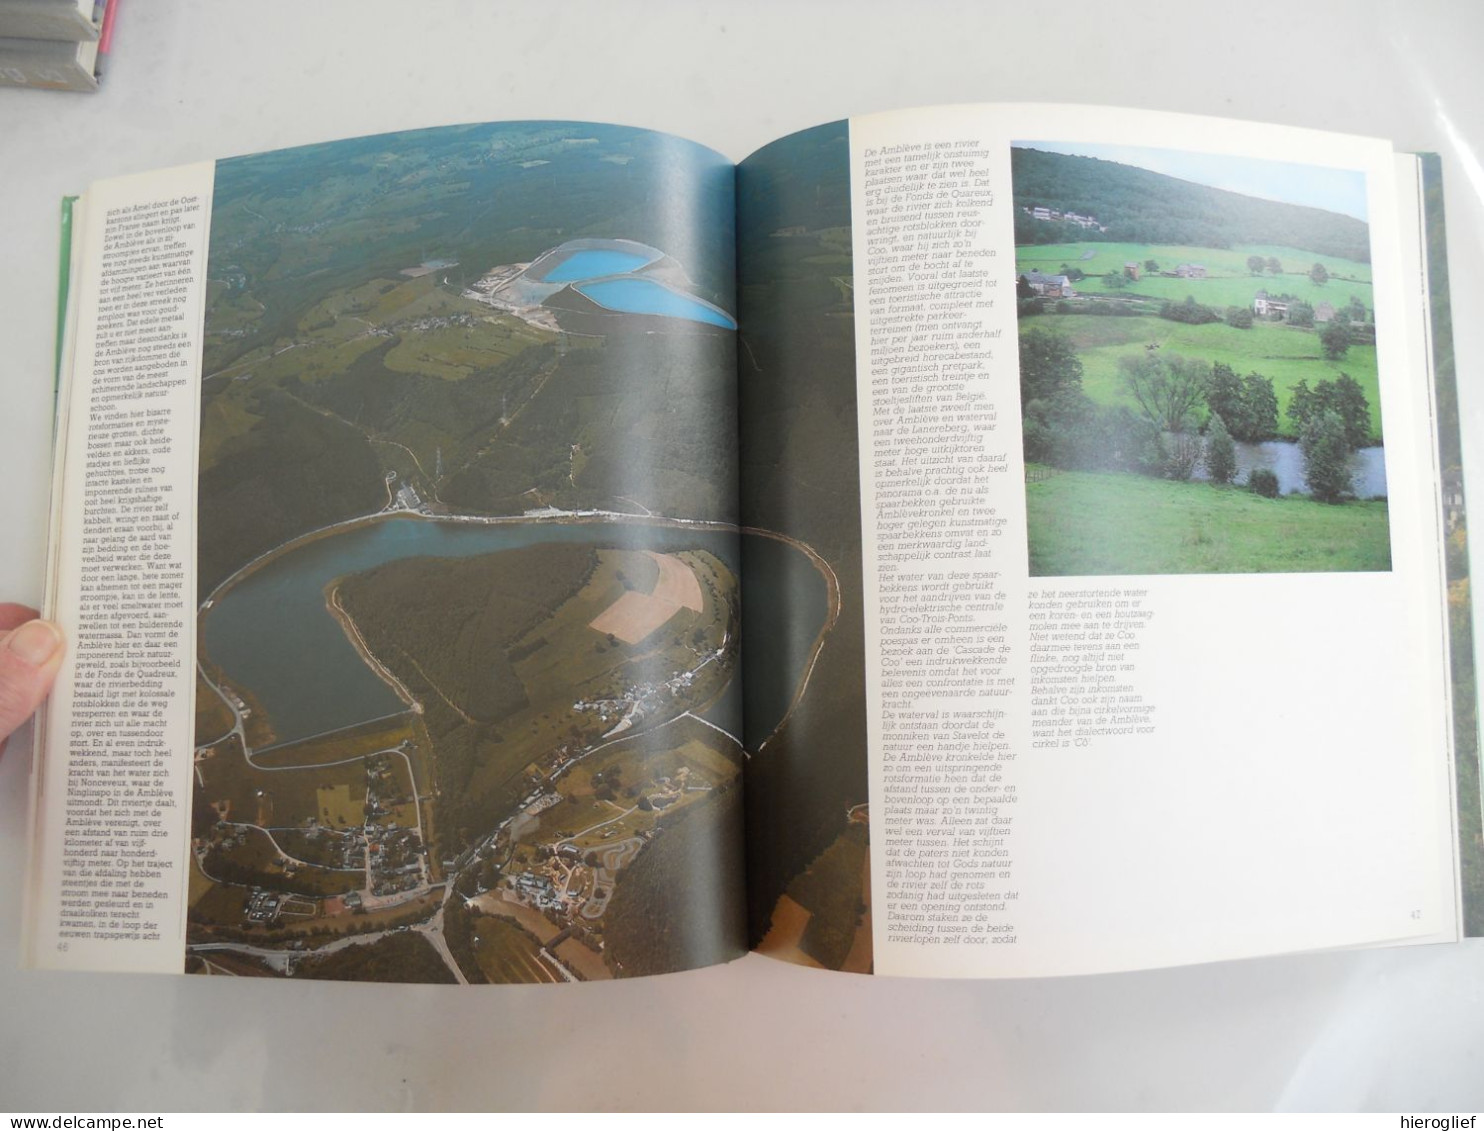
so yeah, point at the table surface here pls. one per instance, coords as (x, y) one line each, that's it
(1397, 1029)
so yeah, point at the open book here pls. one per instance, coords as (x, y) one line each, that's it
(983, 541)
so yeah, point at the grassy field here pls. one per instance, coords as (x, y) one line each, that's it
(571, 659)
(198, 887)
(213, 904)
(577, 662)
(1285, 354)
(346, 325)
(274, 797)
(632, 769)
(499, 662)
(323, 778)
(1094, 524)
(314, 846)
(353, 742)
(218, 915)
(252, 849)
(1227, 282)
(453, 352)
(507, 953)
(337, 808)
(253, 860)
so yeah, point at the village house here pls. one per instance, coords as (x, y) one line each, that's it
(1191, 271)
(1042, 212)
(407, 497)
(1265, 307)
(1053, 286)
(1324, 312)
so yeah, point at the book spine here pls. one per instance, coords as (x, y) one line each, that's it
(1468, 767)
(64, 283)
(109, 22)
(37, 63)
(30, 19)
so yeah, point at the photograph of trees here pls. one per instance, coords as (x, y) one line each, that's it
(1198, 379)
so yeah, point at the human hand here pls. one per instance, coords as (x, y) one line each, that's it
(30, 654)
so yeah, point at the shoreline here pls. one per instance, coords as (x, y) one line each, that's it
(833, 604)
(557, 518)
(358, 642)
(561, 518)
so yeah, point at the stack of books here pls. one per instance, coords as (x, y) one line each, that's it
(54, 44)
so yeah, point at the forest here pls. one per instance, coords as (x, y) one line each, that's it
(453, 620)
(445, 626)
(1135, 205)
(681, 903)
(296, 224)
(329, 369)
(295, 470)
(1180, 415)
(801, 477)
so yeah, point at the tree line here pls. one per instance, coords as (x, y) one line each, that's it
(1159, 432)
(1346, 327)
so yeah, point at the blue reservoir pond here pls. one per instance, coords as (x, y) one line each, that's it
(271, 633)
(645, 296)
(594, 263)
(1286, 460)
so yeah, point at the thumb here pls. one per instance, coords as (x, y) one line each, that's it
(29, 658)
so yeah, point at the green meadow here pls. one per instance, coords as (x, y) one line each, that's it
(1286, 354)
(1227, 282)
(1088, 524)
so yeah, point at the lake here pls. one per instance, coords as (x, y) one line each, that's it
(645, 296)
(270, 633)
(594, 263)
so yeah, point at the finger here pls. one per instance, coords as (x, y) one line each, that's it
(29, 658)
(13, 616)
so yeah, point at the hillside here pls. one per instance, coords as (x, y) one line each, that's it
(1139, 206)
(801, 476)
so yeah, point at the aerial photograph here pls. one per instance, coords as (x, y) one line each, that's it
(1198, 377)
(808, 813)
(469, 684)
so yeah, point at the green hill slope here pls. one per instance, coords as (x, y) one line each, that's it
(1139, 206)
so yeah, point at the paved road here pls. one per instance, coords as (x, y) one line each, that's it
(611, 859)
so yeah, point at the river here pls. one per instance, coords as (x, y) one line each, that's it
(1283, 457)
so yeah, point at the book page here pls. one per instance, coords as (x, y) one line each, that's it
(111, 792)
(1151, 573)
(460, 510)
